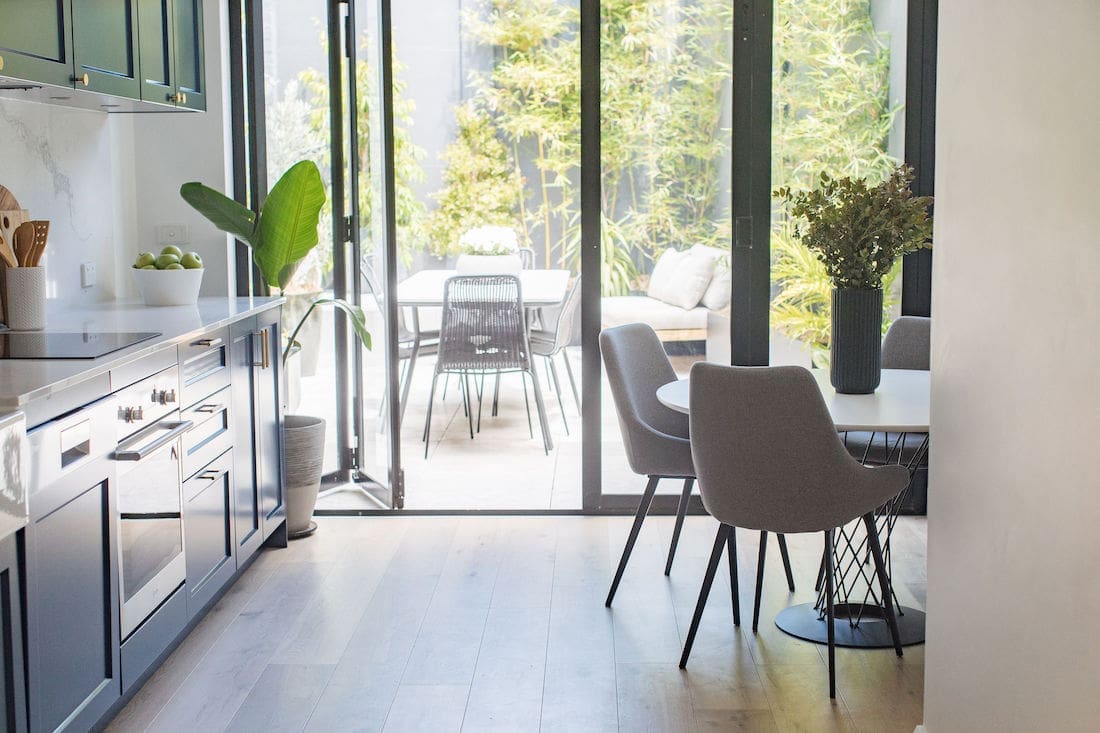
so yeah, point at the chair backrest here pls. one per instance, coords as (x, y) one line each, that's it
(526, 258)
(483, 324)
(567, 316)
(908, 344)
(636, 365)
(768, 456)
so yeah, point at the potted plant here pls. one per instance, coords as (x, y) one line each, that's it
(281, 235)
(489, 250)
(858, 231)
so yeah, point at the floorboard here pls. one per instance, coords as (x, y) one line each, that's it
(498, 624)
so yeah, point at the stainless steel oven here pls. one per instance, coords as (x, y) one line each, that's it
(150, 522)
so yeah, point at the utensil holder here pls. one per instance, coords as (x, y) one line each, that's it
(26, 302)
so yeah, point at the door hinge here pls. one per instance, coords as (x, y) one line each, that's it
(349, 223)
(349, 38)
(399, 490)
(353, 458)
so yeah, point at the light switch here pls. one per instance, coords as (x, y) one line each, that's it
(177, 234)
(87, 274)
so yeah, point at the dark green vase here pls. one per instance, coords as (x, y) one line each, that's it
(855, 365)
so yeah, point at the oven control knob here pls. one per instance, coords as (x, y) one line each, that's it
(170, 396)
(137, 413)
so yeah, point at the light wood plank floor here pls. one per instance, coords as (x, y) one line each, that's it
(498, 623)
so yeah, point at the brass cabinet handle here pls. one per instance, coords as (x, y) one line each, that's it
(1, 63)
(209, 342)
(79, 79)
(265, 341)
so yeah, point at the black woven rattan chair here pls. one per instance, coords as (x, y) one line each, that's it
(483, 331)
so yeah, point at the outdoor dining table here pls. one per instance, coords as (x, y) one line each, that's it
(899, 407)
(539, 288)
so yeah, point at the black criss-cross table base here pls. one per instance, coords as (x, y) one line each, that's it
(859, 616)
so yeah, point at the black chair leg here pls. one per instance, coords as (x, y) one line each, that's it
(883, 580)
(540, 405)
(496, 394)
(820, 573)
(639, 517)
(527, 406)
(681, 510)
(428, 419)
(557, 390)
(468, 402)
(735, 593)
(572, 381)
(759, 578)
(786, 561)
(724, 531)
(829, 616)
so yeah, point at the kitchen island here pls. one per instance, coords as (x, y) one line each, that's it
(152, 477)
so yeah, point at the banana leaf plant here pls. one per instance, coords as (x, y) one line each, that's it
(280, 235)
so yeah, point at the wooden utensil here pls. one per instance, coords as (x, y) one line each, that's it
(10, 219)
(24, 243)
(7, 253)
(8, 200)
(38, 243)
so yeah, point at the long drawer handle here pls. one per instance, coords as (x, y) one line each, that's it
(210, 475)
(209, 342)
(177, 430)
(210, 408)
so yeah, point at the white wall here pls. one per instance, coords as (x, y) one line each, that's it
(1014, 517)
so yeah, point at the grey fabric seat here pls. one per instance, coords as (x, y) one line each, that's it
(907, 345)
(655, 437)
(780, 467)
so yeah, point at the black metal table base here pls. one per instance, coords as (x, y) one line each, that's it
(805, 622)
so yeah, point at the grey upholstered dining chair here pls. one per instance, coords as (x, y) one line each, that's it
(550, 343)
(655, 437)
(483, 332)
(780, 467)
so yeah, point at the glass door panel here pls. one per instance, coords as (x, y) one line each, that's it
(666, 134)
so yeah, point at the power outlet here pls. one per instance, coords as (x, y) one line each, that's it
(177, 234)
(87, 274)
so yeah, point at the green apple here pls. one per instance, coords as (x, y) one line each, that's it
(166, 259)
(174, 266)
(145, 258)
(172, 250)
(191, 261)
(148, 267)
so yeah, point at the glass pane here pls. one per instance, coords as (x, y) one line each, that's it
(666, 83)
(297, 128)
(838, 93)
(487, 149)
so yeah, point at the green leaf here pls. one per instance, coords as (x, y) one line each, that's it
(355, 314)
(287, 229)
(222, 211)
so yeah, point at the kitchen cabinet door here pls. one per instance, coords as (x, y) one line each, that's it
(72, 600)
(156, 49)
(188, 42)
(36, 41)
(246, 497)
(105, 47)
(269, 421)
(208, 538)
(13, 710)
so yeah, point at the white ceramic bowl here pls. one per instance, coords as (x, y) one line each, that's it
(168, 287)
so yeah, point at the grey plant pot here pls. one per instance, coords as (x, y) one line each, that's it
(855, 363)
(304, 451)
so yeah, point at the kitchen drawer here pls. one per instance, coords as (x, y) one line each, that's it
(204, 365)
(212, 432)
(208, 532)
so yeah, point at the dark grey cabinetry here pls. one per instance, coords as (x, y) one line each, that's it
(172, 69)
(208, 531)
(13, 709)
(35, 42)
(257, 378)
(72, 601)
(105, 47)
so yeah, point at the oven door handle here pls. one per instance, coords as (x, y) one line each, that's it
(178, 429)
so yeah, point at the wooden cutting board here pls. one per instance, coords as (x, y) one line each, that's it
(8, 201)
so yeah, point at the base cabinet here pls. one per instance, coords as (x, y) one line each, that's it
(72, 601)
(13, 691)
(208, 538)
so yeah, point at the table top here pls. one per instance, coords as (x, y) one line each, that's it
(538, 287)
(899, 405)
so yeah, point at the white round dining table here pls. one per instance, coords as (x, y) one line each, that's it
(899, 405)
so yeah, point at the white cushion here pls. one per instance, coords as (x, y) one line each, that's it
(717, 296)
(621, 309)
(681, 278)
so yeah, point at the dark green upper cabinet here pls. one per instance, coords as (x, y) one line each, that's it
(35, 42)
(158, 77)
(172, 52)
(105, 48)
(190, 76)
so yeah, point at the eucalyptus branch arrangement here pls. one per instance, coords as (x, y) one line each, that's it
(858, 230)
(280, 235)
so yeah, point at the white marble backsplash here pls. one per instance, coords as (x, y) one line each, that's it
(75, 168)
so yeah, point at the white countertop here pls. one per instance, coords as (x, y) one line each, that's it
(22, 381)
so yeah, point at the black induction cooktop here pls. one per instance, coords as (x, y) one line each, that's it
(66, 345)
